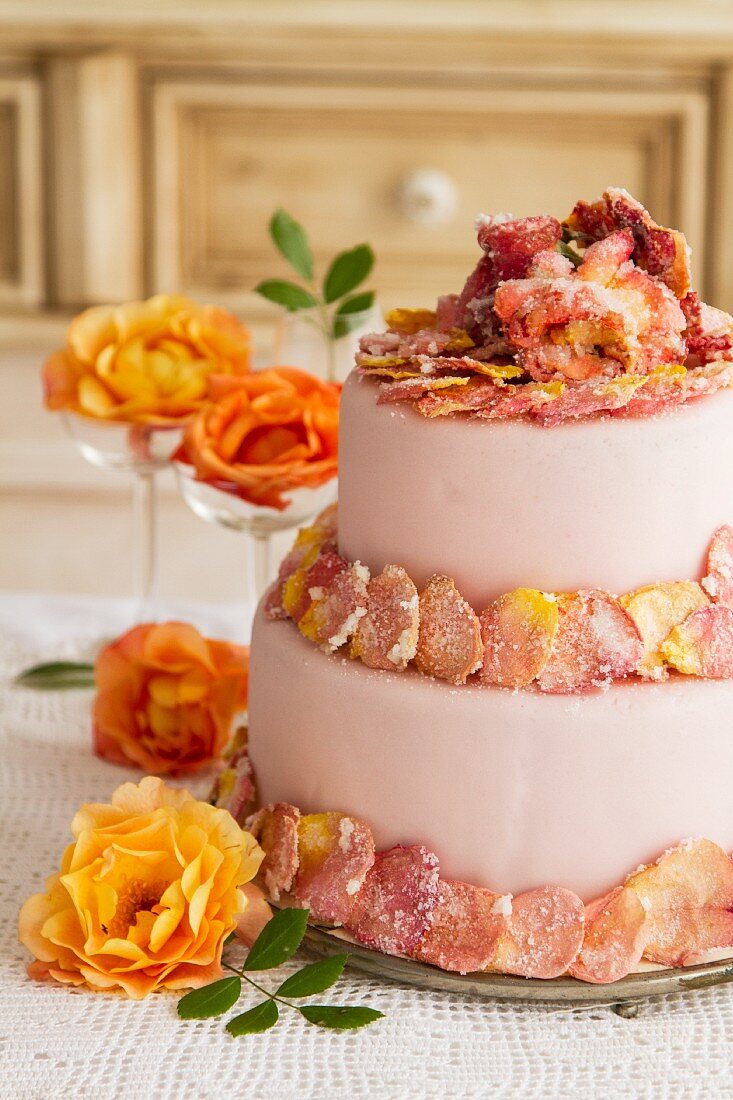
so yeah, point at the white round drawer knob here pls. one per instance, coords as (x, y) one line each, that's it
(429, 197)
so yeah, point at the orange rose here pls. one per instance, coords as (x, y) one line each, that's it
(167, 697)
(144, 362)
(146, 895)
(265, 434)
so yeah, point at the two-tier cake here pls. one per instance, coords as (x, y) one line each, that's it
(502, 679)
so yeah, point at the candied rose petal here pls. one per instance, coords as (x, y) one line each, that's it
(596, 642)
(603, 259)
(409, 321)
(392, 910)
(335, 852)
(589, 398)
(234, 789)
(662, 391)
(411, 389)
(512, 243)
(614, 937)
(476, 393)
(702, 645)
(709, 332)
(275, 828)
(465, 927)
(256, 915)
(517, 630)
(303, 547)
(331, 621)
(446, 314)
(656, 609)
(386, 637)
(719, 580)
(688, 896)
(544, 934)
(311, 580)
(449, 643)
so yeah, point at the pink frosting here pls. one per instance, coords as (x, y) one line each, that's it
(612, 503)
(512, 790)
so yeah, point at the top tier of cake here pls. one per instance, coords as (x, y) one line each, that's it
(612, 504)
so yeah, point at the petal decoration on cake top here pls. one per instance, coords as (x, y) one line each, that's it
(718, 581)
(614, 937)
(702, 645)
(465, 927)
(275, 827)
(688, 895)
(518, 632)
(335, 852)
(449, 642)
(392, 910)
(386, 637)
(543, 935)
(656, 609)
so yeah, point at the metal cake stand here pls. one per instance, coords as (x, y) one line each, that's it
(623, 996)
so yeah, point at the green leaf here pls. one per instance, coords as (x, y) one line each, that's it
(279, 940)
(211, 1000)
(260, 1018)
(56, 675)
(314, 978)
(348, 315)
(292, 243)
(340, 1017)
(569, 253)
(347, 271)
(290, 295)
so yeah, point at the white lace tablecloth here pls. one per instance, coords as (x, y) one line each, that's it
(59, 1043)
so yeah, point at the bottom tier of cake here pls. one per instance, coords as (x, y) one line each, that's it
(513, 790)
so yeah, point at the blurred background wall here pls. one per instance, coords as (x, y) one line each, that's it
(143, 147)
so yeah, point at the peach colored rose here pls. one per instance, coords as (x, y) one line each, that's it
(144, 362)
(146, 895)
(167, 697)
(266, 434)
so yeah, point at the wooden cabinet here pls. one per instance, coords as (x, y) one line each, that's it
(143, 154)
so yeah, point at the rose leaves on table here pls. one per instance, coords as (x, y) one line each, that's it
(279, 940)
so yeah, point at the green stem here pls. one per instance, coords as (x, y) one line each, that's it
(272, 996)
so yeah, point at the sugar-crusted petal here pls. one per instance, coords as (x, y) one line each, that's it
(656, 609)
(544, 934)
(702, 645)
(275, 827)
(464, 930)
(518, 631)
(386, 637)
(335, 852)
(391, 911)
(596, 642)
(718, 582)
(449, 643)
(614, 937)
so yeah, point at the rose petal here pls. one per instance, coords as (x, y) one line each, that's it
(465, 927)
(449, 643)
(596, 642)
(518, 631)
(392, 910)
(688, 895)
(719, 580)
(335, 852)
(544, 934)
(331, 620)
(275, 828)
(656, 609)
(702, 645)
(386, 637)
(255, 916)
(614, 938)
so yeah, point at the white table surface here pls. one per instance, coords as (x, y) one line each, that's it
(59, 1043)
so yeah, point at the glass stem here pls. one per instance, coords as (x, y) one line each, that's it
(145, 554)
(258, 568)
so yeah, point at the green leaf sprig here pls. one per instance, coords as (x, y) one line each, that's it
(334, 304)
(277, 942)
(57, 676)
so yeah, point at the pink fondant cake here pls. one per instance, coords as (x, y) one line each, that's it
(502, 678)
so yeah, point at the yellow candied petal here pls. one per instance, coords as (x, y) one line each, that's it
(410, 321)
(294, 587)
(459, 340)
(679, 650)
(656, 609)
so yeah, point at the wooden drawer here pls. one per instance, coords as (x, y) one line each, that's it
(338, 157)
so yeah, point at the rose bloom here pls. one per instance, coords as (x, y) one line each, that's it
(147, 893)
(266, 434)
(144, 362)
(167, 697)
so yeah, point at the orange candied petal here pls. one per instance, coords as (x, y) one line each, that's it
(518, 631)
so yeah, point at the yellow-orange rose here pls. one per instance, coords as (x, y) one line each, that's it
(146, 895)
(167, 697)
(266, 434)
(144, 362)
